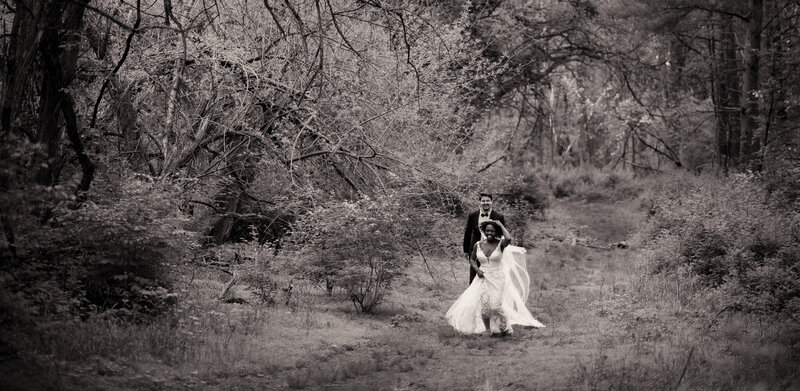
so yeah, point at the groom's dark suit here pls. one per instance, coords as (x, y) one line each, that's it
(472, 235)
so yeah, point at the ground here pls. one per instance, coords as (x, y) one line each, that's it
(597, 335)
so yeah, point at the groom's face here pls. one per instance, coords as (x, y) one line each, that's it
(486, 203)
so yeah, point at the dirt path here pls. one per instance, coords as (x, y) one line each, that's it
(573, 289)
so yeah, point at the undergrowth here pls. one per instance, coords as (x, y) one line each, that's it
(713, 298)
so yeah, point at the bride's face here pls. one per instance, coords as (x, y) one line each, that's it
(490, 232)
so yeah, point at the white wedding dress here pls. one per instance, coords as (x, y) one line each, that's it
(500, 295)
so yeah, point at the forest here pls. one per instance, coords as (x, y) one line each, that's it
(233, 194)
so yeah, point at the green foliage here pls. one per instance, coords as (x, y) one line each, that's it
(526, 192)
(107, 256)
(725, 235)
(262, 285)
(591, 185)
(782, 179)
(354, 245)
(257, 271)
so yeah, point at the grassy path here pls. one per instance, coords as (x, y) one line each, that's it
(610, 324)
(318, 342)
(574, 271)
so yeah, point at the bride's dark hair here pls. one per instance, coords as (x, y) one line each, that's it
(487, 223)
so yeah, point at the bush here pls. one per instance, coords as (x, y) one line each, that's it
(782, 179)
(105, 256)
(353, 245)
(263, 286)
(527, 193)
(591, 185)
(724, 233)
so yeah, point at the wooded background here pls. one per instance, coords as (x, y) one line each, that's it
(324, 98)
(159, 157)
(229, 121)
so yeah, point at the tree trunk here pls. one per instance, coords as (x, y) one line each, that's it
(21, 56)
(125, 112)
(775, 113)
(750, 113)
(633, 164)
(71, 122)
(540, 135)
(720, 149)
(170, 138)
(228, 199)
(58, 50)
(727, 94)
(49, 130)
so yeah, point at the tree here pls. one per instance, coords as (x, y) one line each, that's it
(45, 37)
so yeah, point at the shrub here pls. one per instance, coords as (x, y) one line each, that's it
(527, 193)
(263, 286)
(782, 180)
(591, 185)
(724, 233)
(354, 245)
(111, 255)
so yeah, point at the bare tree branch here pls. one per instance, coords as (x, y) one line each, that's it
(339, 30)
(274, 18)
(119, 63)
(300, 25)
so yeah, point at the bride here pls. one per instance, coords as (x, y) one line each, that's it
(495, 300)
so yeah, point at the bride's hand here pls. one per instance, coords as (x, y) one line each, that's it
(480, 273)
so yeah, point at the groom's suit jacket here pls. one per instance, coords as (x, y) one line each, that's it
(472, 234)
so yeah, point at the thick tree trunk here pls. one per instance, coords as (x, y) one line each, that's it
(49, 130)
(752, 55)
(22, 52)
(726, 83)
(58, 52)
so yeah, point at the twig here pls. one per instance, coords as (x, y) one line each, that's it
(300, 25)
(486, 167)
(206, 204)
(274, 18)
(231, 283)
(119, 63)
(685, 367)
(339, 30)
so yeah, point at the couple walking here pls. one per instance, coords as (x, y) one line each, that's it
(494, 300)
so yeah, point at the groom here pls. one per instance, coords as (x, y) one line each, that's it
(472, 233)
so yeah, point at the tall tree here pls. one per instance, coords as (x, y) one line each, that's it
(750, 82)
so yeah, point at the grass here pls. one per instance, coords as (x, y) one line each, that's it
(610, 324)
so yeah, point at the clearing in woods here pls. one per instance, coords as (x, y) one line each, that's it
(319, 342)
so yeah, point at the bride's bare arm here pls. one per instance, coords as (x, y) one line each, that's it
(506, 235)
(472, 257)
